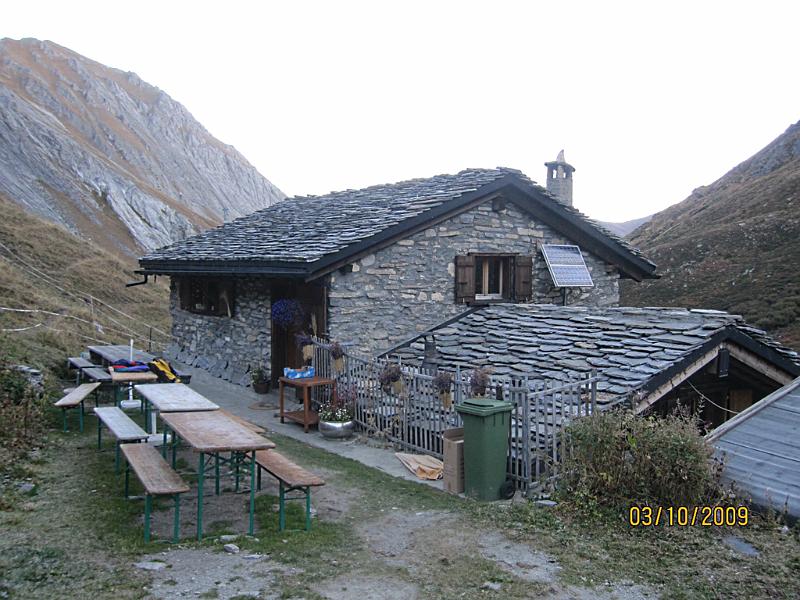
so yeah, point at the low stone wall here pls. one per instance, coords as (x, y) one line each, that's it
(408, 287)
(226, 347)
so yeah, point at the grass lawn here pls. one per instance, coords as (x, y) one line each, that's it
(74, 536)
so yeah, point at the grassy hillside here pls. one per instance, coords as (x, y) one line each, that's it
(44, 267)
(734, 245)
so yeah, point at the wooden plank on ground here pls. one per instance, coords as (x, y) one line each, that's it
(283, 468)
(152, 470)
(77, 395)
(121, 425)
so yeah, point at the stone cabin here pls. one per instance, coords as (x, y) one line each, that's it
(376, 266)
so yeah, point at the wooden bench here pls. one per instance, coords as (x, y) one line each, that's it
(291, 477)
(74, 399)
(79, 363)
(121, 427)
(98, 374)
(157, 478)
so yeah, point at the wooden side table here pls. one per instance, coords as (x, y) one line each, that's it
(306, 416)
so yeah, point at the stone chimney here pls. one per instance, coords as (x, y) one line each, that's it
(559, 178)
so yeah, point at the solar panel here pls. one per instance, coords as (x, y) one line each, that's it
(566, 265)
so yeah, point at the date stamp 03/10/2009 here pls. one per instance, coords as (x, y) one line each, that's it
(689, 516)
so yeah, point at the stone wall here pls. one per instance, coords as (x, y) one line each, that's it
(410, 286)
(226, 347)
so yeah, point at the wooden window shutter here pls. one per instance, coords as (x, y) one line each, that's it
(523, 278)
(465, 279)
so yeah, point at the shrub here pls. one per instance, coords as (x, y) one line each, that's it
(618, 459)
(21, 410)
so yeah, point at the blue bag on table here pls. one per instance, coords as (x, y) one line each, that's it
(298, 373)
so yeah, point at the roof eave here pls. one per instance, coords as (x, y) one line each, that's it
(233, 268)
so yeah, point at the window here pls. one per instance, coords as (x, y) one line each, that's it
(205, 296)
(492, 274)
(493, 277)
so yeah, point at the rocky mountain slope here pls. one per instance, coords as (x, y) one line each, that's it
(111, 157)
(626, 227)
(733, 245)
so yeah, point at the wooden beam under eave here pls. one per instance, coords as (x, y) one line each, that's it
(676, 380)
(741, 354)
(759, 364)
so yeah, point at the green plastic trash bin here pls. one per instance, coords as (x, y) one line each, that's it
(486, 428)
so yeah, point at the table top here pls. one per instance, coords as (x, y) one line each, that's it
(174, 397)
(120, 352)
(132, 377)
(213, 431)
(307, 381)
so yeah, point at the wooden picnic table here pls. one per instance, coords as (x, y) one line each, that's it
(305, 417)
(210, 433)
(105, 355)
(171, 397)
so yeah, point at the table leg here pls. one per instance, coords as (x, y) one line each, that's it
(176, 527)
(200, 474)
(308, 508)
(280, 387)
(164, 443)
(174, 449)
(236, 457)
(252, 491)
(306, 406)
(216, 474)
(148, 503)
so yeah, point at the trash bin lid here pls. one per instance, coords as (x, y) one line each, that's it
(483, 406)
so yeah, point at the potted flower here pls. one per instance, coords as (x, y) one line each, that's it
(479, 381)
(260, 380)
(287, 313)
(442, 383)
(337, 354)
(306, 343)
(391, 378)
(336, 415)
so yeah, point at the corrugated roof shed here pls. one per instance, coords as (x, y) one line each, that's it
(761, 449)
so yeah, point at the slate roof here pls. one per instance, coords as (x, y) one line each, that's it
(628, 347)
(301, 231)
(760, 448)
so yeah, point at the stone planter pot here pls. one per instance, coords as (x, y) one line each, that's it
(261, 388)
(335, 431)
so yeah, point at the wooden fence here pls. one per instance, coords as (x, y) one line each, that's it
(414, 416)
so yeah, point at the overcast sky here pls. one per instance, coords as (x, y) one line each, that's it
(648, 100)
